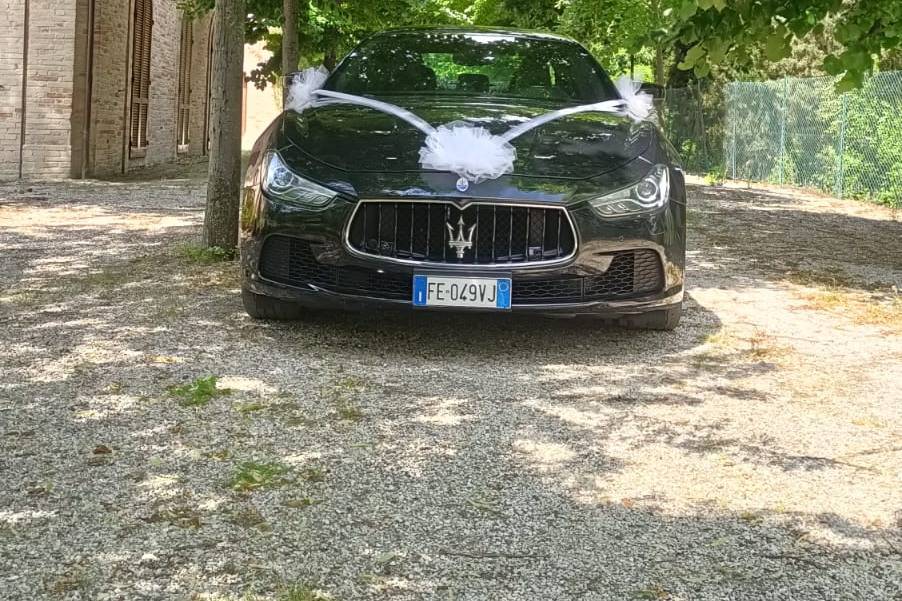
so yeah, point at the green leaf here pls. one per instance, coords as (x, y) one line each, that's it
(702, 69)
(833, 65)
(688, 9)
(850, 81)
(855, 59)
(717, 50)
(720, 5)
(776, 47)
(694, 54)
(705, 4)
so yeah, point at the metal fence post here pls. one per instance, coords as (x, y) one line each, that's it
(732, 118)
(783, 131)
(842, 146)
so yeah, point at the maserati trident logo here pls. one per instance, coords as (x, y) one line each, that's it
(463, 242)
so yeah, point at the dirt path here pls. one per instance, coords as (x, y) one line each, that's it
(754, 453)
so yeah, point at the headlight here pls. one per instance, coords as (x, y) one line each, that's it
(650, 193)
(281, 183)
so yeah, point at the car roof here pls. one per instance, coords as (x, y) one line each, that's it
(519, 33)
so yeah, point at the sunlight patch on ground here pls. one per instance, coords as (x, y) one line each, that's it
(544, 456)
(443, 412)
(26, 516)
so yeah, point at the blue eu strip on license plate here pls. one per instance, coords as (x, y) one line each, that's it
(443, 291)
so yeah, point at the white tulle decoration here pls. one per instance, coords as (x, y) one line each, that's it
(471, 152)
(637, 105)
(301, 90)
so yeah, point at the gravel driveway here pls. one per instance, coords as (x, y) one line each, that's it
(155, 443)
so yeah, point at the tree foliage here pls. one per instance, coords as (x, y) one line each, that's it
(719, 32)
(843, 37)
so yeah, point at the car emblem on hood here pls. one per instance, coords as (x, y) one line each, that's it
(462, 184)
(462, 243)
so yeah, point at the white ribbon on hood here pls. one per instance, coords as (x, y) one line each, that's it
(470, 151)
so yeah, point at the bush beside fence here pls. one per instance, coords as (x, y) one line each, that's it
(796, 132)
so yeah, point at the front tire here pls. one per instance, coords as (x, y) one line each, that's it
(267, 307)
(663, 319)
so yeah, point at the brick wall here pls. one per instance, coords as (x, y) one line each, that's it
(56, 114)
(199, 82)
(10, 85)
(111, 46)
(46, 152)
(163, 113)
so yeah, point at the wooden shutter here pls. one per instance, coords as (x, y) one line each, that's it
(184, 95)
(141, 42)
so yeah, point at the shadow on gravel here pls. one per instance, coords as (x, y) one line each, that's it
(775, 234)
(425, 457)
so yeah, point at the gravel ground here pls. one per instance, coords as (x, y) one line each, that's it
(754, 453)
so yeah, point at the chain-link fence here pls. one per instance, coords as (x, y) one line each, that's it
(796, 132)
(693, 119)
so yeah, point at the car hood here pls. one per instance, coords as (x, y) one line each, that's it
(358, 139)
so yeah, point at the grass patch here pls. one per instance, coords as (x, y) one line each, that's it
(348, 411)
(198, 393)
(250, 408)
(181, 517)
(884, 313)
(302, 592)
(252, 475)
(655, 592)
(861, 308)
(301, 503)
(824, 279)
(249, 517)
(205, 255)
(757, 346)
(341, 393)
(313, 474)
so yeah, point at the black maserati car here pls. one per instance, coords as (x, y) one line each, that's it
(337, 212)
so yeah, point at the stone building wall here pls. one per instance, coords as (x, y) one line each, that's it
(11, 51)
(56, 109)
(50, 31)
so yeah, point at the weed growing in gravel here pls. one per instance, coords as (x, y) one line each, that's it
(181, 516)
(250, 408)
(249, 517)
(348, 411)
(757, 345)
(313, 474)
(205, 255)
(252, 475)
(654, 592)
(301, 503)
(302, 592)
(199, 392)
(340, 392)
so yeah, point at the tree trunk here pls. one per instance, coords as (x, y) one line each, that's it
(289, 36)
(224, 174)
(659, 65)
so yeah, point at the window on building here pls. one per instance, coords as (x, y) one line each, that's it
(185, 52)
(143, 33)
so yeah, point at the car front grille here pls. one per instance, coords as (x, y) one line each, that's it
(292, 261)
(480, 234)
(631, 273)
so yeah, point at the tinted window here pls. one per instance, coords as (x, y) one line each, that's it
(472, 64)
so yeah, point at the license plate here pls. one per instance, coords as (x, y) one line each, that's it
(442, 291)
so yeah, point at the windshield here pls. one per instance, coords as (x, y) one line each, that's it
(472, 64)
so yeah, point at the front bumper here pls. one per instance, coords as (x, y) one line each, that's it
(326, 274)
